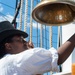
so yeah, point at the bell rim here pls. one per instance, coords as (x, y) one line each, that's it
(51, 24)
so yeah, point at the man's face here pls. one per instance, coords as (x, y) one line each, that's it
(18, 44)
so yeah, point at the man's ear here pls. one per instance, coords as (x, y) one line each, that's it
(7, 46)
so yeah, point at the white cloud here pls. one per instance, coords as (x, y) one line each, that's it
(34, 24)
(2, 18)
(8, 17)
(1, 8)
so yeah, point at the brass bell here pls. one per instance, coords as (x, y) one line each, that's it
(52, 12)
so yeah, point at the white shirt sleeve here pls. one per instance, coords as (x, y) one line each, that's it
(36, 60)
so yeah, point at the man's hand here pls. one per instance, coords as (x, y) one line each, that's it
(30, 45)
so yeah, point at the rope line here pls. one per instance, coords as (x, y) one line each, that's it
(26, 15)
(31, 20)
(21, 9)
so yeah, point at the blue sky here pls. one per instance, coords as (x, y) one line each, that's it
(7, 9)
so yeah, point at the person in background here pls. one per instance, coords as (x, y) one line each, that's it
(19, 57)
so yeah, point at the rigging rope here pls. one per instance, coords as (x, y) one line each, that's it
(51, 43)
(26, 14)
(31, 20)
(21, 9)
(41, 35)
(59, 37)
(50, 36)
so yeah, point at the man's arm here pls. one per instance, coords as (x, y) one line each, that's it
(65, 50)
